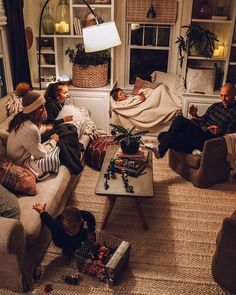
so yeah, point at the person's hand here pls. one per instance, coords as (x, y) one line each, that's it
(91, 237)
(55, 137)
(48, 127)
(39, 207)
(193, 111)
(214, 129)
(68, 118)
(142, 97)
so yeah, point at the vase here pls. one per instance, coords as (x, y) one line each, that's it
(48, 22)
(62, 25)
(130, 148)
(204, 9)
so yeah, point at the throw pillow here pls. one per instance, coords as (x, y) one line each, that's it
(9, 206)
(96, 151)
(200, 80)
(14, 105)
(172, 81)
(140, 83)
(2, 148)
(17, 179)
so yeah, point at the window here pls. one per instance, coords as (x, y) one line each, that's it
(148, 50)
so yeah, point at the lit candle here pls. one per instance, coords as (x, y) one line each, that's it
(221, 49)
(216, 53)
(57, 27)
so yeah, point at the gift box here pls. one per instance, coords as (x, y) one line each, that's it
(104, 260)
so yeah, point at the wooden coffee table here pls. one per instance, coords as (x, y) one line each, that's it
(143, 187)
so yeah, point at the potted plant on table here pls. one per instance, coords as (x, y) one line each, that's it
(129, 139)
(89, 69)
(197, 40)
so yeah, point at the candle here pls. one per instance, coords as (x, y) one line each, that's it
(216, 53)
(221, 50)
(62, 27)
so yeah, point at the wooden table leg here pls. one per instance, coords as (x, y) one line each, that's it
(141, 216)
(111, 203)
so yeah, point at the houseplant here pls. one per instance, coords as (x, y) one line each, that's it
(89, 69)
(197, 40)
(129, 139)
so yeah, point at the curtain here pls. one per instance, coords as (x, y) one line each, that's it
(17, 42)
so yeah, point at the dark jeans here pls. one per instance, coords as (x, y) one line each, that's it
(184, 136)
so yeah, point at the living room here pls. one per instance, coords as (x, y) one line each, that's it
(173, 233)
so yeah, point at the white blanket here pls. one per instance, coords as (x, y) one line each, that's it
(231, 148)
(81, 120)
(159, 108)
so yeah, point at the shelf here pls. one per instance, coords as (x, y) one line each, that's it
(46, 52)
(48, 66)
(92, 6)
(207, 58)
(232, 63)
(215, 21)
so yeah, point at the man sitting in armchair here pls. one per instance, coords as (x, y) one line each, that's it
(185, 135)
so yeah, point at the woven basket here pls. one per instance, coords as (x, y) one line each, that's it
(90, 77)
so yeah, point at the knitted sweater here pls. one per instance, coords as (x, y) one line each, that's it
(25, 146)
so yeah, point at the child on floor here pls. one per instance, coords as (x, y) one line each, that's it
(68, 228)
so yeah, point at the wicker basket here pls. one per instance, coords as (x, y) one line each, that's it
(90, 77)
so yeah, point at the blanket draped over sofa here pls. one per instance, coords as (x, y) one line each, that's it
(157, 110)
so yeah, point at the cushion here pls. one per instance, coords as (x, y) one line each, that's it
(96, 151)
(14, 105)
(9, 206)
(140, 83)
(172, 81)
(2, 148)
(200, 80)
(17, 179)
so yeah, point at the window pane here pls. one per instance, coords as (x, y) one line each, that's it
(163, 37)
(136, 34)
(150, 35)
(144, 61)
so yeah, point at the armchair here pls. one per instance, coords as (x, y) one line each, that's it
(208, 169)
(224, 259)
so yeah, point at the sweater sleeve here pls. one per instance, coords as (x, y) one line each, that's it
(90, 220)
(33, 143)
(48, 220)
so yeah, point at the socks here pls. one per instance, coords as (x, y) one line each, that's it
(155, 150)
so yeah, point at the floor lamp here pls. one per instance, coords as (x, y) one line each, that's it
(96, 38)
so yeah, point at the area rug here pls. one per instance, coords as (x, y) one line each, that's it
(172, 257)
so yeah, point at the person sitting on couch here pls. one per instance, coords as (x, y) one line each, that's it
(68, 228)
(24, 143)
(185, 135)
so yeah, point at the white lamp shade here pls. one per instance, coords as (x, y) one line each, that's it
(100, 37)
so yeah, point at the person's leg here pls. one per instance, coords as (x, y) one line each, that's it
(183, 135)
(161, 136)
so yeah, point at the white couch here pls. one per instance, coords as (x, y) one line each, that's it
(24, 242)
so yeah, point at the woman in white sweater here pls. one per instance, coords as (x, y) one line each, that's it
(24, 142)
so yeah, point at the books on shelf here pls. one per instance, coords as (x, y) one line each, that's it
(77, 26)
(141, 154)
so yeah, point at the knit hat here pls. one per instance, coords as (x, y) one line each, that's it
(31, 101)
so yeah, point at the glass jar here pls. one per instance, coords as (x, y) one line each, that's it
(62, 25)
(48, 22)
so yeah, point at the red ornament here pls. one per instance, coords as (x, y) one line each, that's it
(48, 288)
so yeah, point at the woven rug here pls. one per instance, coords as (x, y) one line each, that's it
(172, 257)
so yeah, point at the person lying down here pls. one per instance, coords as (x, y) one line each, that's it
(150, 108)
